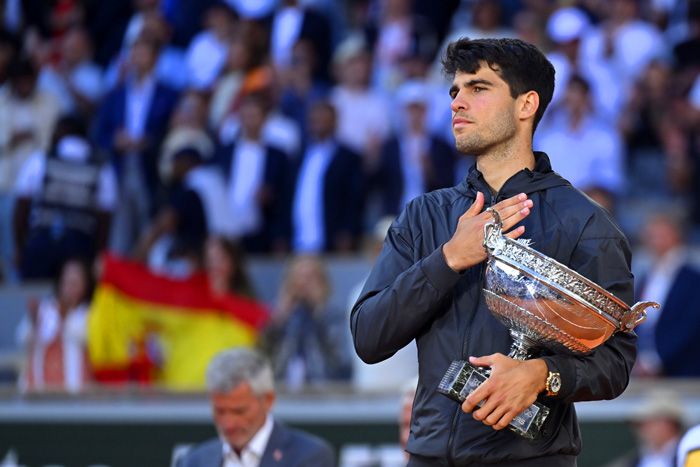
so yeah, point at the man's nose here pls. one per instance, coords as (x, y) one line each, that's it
(459, 102)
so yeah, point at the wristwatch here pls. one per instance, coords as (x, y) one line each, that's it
(553, 383)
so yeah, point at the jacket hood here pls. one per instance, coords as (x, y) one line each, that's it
(526, 181)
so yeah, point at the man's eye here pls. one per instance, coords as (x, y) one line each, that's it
(479, 89)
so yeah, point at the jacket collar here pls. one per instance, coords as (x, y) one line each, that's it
(525, 181)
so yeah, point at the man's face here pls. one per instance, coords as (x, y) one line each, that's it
(240, 413)
(483, 111)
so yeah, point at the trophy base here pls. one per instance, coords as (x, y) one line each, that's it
(462, 379)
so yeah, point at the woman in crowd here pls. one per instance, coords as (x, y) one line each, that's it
(54, 331)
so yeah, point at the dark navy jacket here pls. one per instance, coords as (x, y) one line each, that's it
(285, 448)
(679, 325)
(412, 293)
(112, 117)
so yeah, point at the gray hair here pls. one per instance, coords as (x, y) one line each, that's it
(230, 368)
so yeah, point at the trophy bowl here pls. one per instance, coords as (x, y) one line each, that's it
(544, 304)
(547, 304)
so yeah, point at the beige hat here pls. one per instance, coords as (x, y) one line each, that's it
(659, 403)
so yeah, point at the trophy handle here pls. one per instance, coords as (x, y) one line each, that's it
(637, 315)
(493, 235)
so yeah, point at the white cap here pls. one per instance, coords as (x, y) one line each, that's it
(73, 148)
(413, 92)
(567, 24)
(354, 45)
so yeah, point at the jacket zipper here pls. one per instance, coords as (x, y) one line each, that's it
(467, 331)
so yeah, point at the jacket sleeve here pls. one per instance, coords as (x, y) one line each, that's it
(605, 372)
(401, 295)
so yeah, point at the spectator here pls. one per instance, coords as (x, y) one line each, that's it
(300, 88)
(65, 201)
(173, 243)
(327, 203)
(413, 161)
(244, 72)
(668, 340)
(624, 42)
(364, 120)
(583, 147)
(644, 123)
(27, 119)
(566, 28)
(258, 184)
(149, 23)
(658, 424)
(206, 53)
(226, 268)
(241, 392)
(75, 81)
(188, 128)
(130, 126)
(293, 22)
(54, 332)
(307, 338)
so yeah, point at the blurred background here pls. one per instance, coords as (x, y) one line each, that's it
(182, 176)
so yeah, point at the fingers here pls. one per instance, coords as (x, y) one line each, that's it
(515, 233)
(486, 360)
(473, 399)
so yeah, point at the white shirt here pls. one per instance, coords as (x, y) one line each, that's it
(636, 43)
(138, 102)
(589, 155)
(49, 325)
(308, 207)
(247, 174)
(205, 58)
(86, 78)
(363, 116)
(414, 148)
(251, 455)
(210, 185)
(286, 28)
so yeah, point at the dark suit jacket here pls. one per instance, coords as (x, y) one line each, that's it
(343, 188)
(678, 326)
(286, 448)
(389, 179)
(275, 209)
(112, 117)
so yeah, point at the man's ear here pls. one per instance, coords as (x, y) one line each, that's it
(528, 104)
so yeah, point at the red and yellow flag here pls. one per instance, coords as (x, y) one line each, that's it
(143, 326)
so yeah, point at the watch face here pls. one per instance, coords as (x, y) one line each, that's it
(555, 383)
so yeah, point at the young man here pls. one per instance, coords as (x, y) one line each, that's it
(427, 282)
(241, 390)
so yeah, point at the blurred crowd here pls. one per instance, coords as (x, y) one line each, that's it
(185, 134)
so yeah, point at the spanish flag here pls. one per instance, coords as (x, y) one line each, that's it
(149, 328)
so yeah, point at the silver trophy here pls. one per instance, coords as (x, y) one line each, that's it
(544, 304)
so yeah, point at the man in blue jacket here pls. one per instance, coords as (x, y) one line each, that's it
(240, 385)
(427, 282)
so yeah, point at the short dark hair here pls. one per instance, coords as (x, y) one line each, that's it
(520, 64)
